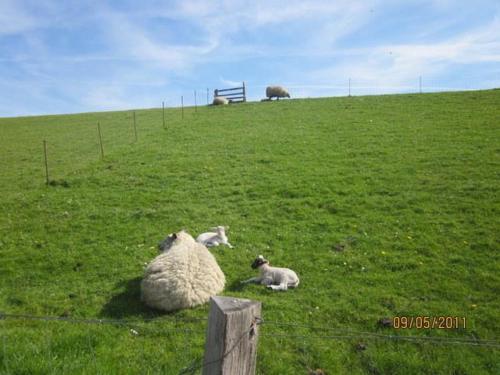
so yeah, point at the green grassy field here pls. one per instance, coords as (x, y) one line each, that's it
(384, 205)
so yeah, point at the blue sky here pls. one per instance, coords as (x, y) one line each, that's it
(81, 56)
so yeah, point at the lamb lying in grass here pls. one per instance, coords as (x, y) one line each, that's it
(184, 275)
(215, 238)
(273, 277)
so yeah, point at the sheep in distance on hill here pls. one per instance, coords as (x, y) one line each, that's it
(220, 100)
(277, 92)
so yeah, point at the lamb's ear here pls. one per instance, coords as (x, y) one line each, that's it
(174, 236)
(260, 257)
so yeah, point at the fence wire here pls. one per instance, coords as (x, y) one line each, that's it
(195, 365)
(337, 333)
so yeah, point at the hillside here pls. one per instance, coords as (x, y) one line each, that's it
(384, 205)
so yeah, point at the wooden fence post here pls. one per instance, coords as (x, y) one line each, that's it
(46, 162)
(232, 334)
(100, 139)
(163, 113)
(182, 106)
(135, 128)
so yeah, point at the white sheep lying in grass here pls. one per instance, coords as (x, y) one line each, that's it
(273, 277)
(184, 275)
(215, 238)
(220, 100)
(276, 92)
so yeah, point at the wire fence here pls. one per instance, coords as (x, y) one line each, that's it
(67, 143)
(190, 332)
(337, 333)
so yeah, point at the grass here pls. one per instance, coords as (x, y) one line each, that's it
(384, 205)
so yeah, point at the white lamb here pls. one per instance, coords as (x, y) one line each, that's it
(215, 238)
(220, 100)
(276, 92)
(273, 277)
(184, 275)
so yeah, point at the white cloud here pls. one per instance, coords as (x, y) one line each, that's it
(390, 68)
(230, 83)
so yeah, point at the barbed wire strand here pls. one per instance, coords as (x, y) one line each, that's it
(342, 333)
(375, 334)
(98, 320)
(414, 339)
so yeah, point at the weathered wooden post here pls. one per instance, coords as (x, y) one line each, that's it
(232, 334)
(100, 139)
(244, 92)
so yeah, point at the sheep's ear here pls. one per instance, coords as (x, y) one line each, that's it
(174, 236)
(260, 257)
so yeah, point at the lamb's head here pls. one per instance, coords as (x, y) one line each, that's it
(287, 95)
(219, 229)
(259, 261)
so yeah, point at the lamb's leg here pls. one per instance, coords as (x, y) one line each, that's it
(252, 280)
(282, 286)
(230, 246)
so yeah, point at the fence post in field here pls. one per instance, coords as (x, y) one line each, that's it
(195, 104)
(349, 86)
(100, 139)
(163, 113)
(182, 106)
(135, 128)
(207, 96)
(232, 334)
(46, 162)
(420, 84)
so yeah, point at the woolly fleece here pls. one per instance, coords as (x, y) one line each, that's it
(184, 276)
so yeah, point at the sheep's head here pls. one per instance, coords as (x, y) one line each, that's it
(287, 95)
(259, 261)
(167, 243)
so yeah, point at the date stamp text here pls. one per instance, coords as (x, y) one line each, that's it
(429, 322)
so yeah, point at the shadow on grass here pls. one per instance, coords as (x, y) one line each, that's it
(236, 286)
(128, 303)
